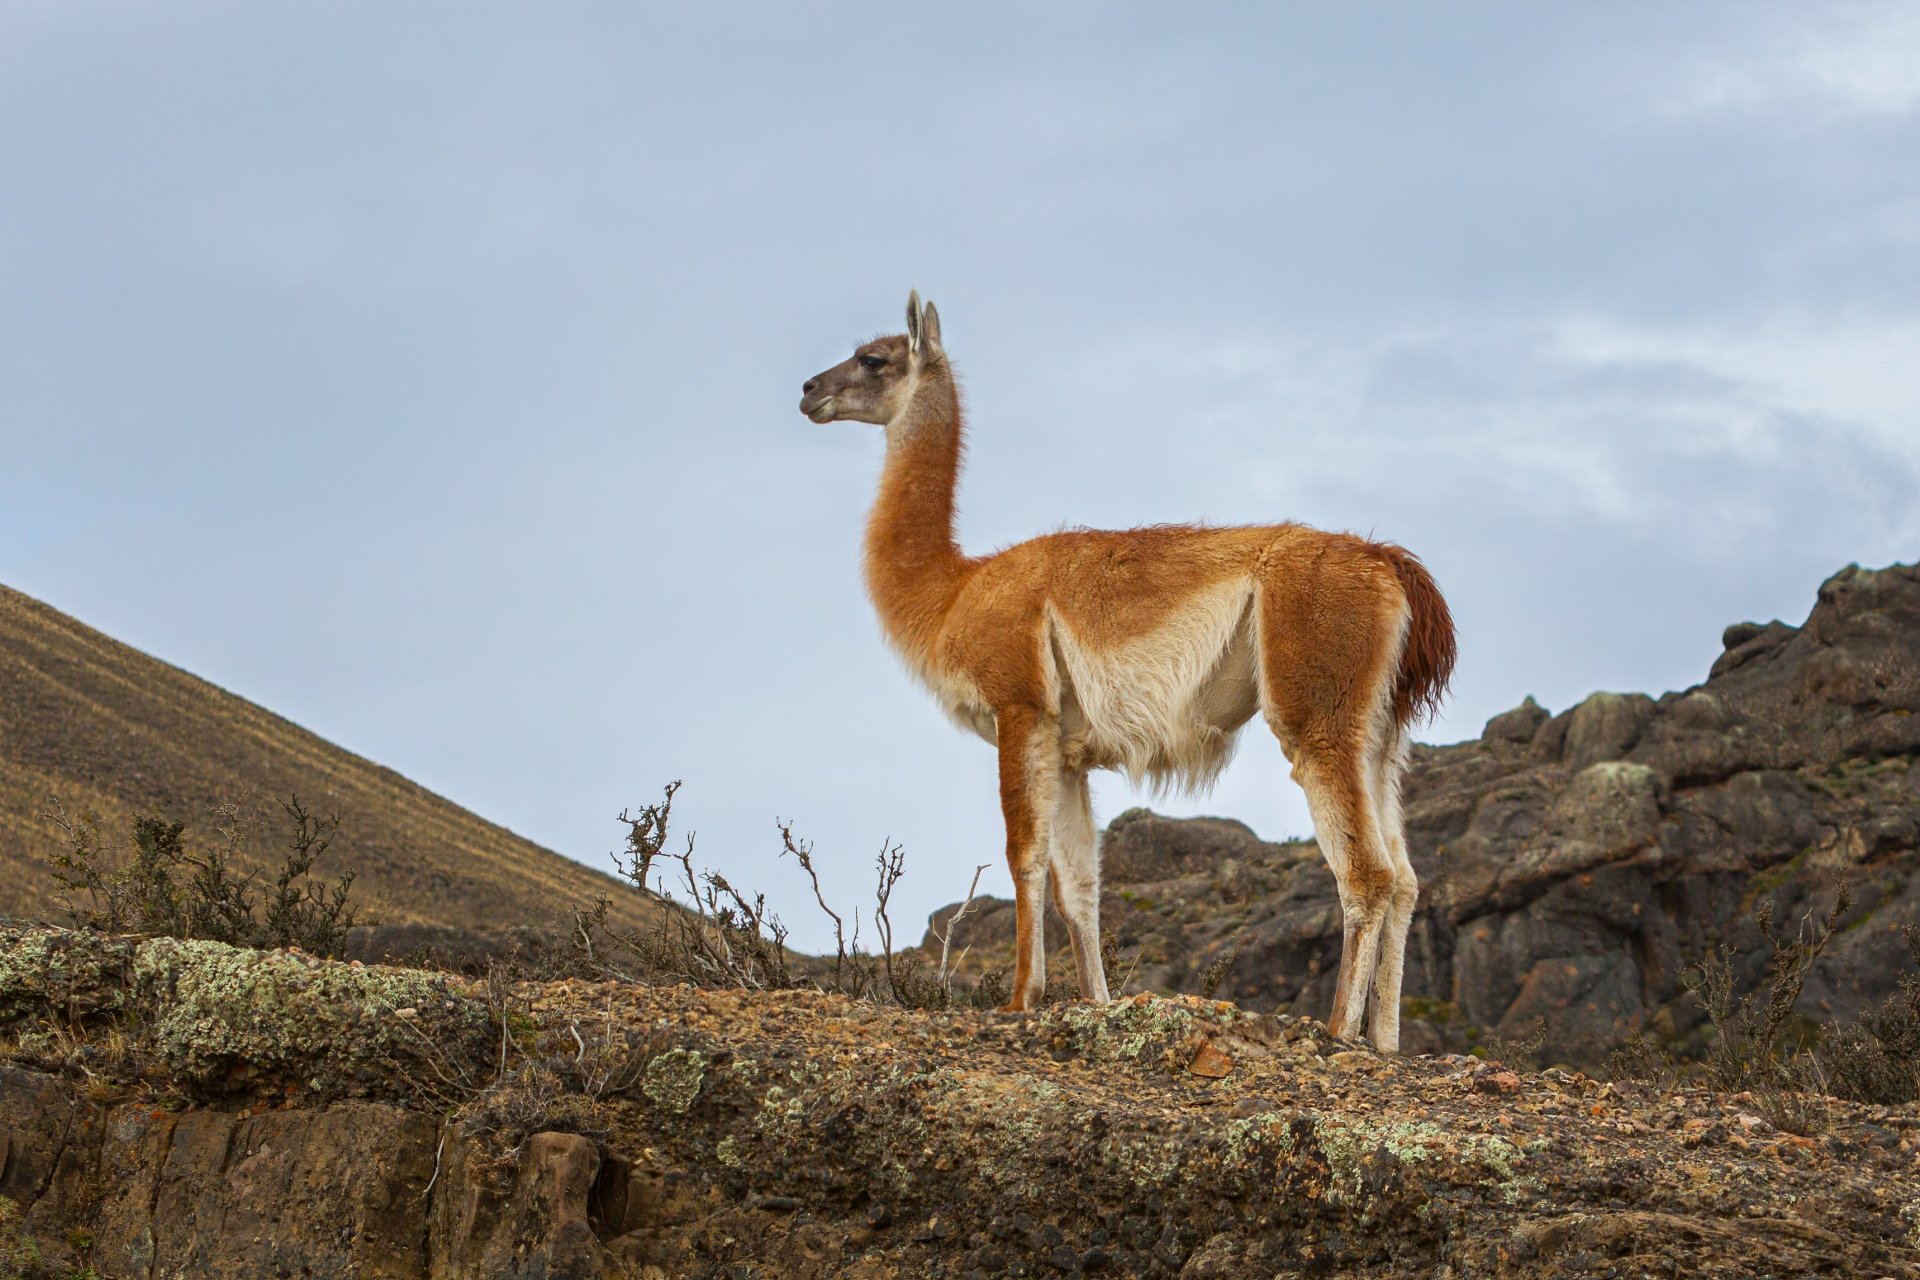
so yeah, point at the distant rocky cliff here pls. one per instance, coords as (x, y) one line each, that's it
(1574, 865)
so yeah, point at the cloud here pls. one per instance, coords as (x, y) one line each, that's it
(1709, 433)
(1832, 59)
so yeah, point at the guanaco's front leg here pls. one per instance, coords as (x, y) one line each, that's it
(1029, 782)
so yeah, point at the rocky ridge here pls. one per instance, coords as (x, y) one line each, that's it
(290, 1124)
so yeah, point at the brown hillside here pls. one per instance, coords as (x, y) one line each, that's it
(92, 725)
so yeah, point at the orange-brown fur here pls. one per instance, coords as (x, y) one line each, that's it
(1147, 649)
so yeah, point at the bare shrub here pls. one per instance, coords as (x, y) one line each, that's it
(1110, 962)
(1216, 973)
(539, 1077)
(948, 961)
(1752, 1051)
(554, 1079)
(705, 932)
(1763, 1049)
(1515, 1049)
(854, 971)
(1641, 1059)
(1877, 1059)
(994, 989)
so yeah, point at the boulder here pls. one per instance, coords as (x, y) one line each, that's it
(1605, 727)
(1517, 725)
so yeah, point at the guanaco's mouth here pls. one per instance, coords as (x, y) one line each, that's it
(819, 411)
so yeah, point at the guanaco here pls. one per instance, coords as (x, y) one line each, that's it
(1146, 650)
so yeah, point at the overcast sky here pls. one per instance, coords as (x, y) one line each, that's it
(427, 373)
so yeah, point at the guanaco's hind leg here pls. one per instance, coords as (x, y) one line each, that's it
(1329, 643)
(1343, 820)
(1075, 863)
(1389, 768)
(1029, 795)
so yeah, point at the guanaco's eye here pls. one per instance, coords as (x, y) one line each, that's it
(872, 362)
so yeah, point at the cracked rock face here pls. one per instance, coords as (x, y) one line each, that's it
(1574, 865)
(348, 1189)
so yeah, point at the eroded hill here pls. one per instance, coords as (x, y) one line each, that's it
(88, 723)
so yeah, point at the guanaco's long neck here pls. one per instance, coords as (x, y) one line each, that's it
(914, 566)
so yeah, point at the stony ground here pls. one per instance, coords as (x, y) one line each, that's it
(186, 1109)
(1187, 1137)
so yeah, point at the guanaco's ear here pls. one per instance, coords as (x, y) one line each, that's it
(930, 326)
(913, 323)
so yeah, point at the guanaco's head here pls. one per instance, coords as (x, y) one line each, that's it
(875, 382)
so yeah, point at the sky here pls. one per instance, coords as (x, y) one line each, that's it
(427, 373)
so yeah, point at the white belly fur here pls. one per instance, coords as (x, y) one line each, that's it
(1165, 707)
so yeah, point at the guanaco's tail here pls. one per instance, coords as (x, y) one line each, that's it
(1426, 664)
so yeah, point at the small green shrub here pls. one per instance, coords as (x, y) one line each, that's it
(165, 888)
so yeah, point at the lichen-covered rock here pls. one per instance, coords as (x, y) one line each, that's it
(227, 1018)
(76, 971)
(672, 1079)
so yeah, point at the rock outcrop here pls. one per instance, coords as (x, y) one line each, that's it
(1574, 866)
(808, 1136)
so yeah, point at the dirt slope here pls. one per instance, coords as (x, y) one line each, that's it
(92, 724)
